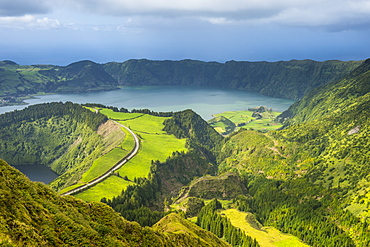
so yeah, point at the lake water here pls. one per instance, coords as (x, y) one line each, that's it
(203, 100)
(39, 173)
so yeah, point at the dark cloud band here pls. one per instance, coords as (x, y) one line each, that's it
(23, 7)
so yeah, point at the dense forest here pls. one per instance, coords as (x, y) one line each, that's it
(286, 79)
(309, 179)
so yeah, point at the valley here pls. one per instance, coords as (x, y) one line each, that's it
(154, 145)
(299, 178)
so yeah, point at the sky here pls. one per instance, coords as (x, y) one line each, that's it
(64, 31)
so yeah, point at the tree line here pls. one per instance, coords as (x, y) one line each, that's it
(210, 220)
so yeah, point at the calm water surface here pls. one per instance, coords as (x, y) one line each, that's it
(39, 173)
(204, 101)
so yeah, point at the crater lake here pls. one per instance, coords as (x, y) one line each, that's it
(203, 100)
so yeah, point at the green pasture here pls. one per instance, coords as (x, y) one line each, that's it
(103, 164)
(245, 119)
(237, 116)
(108, 188)
(265, 236)
(155, 144)
(129, 141)
(70, 187)
(119, 115)
(263, 124)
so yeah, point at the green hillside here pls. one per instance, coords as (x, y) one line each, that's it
(332, 123)
(178, 228)
(324, 146)
(63, 136)
(259, 118)
(83, 76)
(31, 214)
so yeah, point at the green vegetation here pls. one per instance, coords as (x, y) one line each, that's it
(258, 118)
(265, 236)
(62, 136)
(155, 144)
(34, 215)
(83, 76)
(309, 180)
(212, 221)
(173, 223)
(225, 186)
(286, 79)
(317, 166)
(103, 164)
(332, 123)
(145, 201)
(108, 188)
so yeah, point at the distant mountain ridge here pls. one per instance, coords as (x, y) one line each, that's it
(286, 79)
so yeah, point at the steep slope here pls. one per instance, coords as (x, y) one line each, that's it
(333, 123)
(287, 79)
(33, 215)
(332, 98)
(63, 136)
(178, 228)
(83, 76)
(316, 168)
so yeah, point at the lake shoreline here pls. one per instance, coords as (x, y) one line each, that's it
(206, 101)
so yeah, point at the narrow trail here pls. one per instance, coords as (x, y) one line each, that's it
(115, 167)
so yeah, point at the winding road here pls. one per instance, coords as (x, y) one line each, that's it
(118, 165)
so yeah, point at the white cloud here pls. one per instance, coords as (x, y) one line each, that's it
(29, 21)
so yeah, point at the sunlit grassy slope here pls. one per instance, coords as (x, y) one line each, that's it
(244, 119)
(265, 236)
(155, 144)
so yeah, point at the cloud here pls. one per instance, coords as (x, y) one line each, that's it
(29, 21)
(334, 15)
(24, 7)
(306, 13)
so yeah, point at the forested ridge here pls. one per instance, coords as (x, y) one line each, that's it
(286, 79)
(62, 136)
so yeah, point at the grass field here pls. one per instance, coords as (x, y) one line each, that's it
(108, 188)
(155, 144)
(265, 236)
(237, 117)
(246, 121)
(103, 164)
